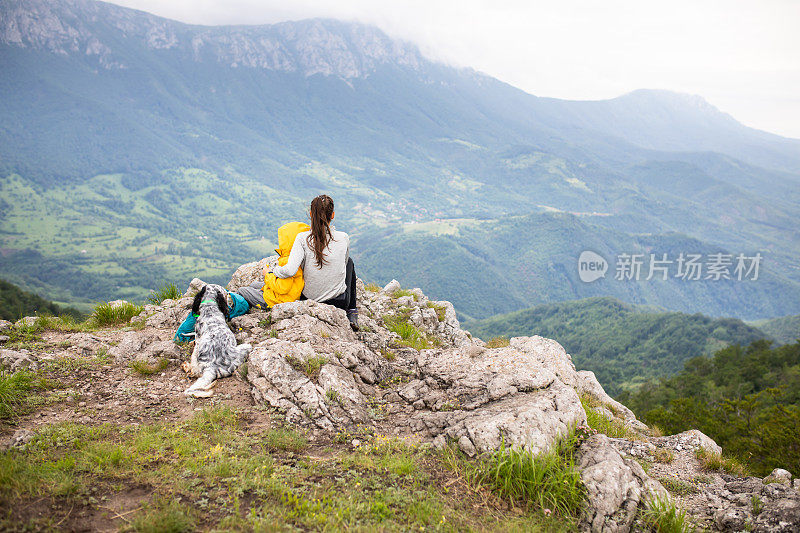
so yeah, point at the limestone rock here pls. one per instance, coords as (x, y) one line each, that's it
(616, 487)
(779, 475)
(689, 440)
(15, 360)
(5, 325)
(250, 272)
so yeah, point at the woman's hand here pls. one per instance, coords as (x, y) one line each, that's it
(267, 270)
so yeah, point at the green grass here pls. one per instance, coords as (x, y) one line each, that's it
(678, 486)
(309, 367)
(663, 516)
(285, 440)
(143, 368)
(715, 462)
(663, 455)
(166, 517)
(213, 473)
(105, 314)
(439, 308)
(399, 293)
(599, 421)
(168, 291)
(14, 388)
(409, 334)
(549, 481)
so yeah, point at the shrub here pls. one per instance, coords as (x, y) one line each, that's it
(549, 480)
(662, 516)
(168, 291)
(105, 314)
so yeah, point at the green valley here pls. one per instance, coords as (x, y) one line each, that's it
(625, 345)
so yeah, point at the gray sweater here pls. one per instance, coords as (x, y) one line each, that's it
(320, 283)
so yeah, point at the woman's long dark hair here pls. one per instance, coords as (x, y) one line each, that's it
(321, 214)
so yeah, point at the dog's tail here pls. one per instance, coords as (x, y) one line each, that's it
(240, 353)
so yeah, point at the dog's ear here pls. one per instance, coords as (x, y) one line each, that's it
(222, 303)
(197, 299)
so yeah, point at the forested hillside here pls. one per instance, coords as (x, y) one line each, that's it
(745, 398)
(16, 303)
(784, 329)
(624, 345)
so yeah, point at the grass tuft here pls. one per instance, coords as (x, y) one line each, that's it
(549, 480)
(14, 388)
(439, 308)
(678, 486)
(599, 421)
(372, 287)
(105, 314)
(310, 367)
(285, 440)
(715, 462)
(168, 291)
(409, 334)
(143, 368)
(498, 342)
(165, 517)
(399, 293)
(663, 516)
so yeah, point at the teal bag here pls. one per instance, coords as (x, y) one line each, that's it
(185, 331)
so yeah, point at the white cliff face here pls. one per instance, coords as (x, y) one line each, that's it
(83, 27)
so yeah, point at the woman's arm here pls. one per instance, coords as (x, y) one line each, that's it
(296, 257)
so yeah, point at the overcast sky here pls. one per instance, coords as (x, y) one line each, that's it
(742, 56)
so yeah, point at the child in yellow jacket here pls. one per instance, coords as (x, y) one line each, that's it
(277, 290)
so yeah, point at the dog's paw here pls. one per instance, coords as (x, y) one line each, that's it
(199, 393)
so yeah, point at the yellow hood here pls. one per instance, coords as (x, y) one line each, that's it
(286, 236)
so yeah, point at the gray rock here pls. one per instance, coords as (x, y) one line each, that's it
(781, 515)
(21, 438)
(466, 446)
(15, 360)
(616, 487)
(4, 339)
(779, 475)
(689, 440)
(5, 325)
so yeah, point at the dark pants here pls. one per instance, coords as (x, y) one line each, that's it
(254, 294)
(346, 300)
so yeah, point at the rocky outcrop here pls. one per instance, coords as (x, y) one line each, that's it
(616, 487)
(411, 371)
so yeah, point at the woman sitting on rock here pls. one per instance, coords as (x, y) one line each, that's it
(324, 255)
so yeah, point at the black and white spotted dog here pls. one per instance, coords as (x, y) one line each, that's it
(215, 354)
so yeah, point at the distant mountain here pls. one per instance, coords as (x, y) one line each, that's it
(624, 345)
(136, 150)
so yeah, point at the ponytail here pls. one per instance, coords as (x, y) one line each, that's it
(321, 214)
